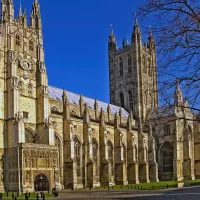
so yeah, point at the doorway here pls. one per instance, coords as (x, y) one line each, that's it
(41, 183)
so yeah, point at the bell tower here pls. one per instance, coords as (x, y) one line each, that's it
(133, 73)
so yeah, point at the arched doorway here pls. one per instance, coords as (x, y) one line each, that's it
(41, 183)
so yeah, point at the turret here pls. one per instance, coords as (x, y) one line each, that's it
(7, 10)
(112, 45)
(151, 43)
(178, 95)
(136, 34)
(36, 21)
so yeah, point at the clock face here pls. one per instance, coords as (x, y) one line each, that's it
(26, 65)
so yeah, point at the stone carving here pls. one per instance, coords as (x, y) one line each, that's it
(18, 116)
(25, 64)
(15, 82)
(45, 91)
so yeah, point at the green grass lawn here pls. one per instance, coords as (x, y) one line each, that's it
(32, 196)
(152, 185)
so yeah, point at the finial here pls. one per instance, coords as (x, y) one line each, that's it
(111, 30)
(136, 21)
(150, 32)
(20, 8)
(127, 42)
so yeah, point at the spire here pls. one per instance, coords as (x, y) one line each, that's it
(136, 34)
(25, 17)
(20, 9)
(127, 42)
(112, 36)
(178, 95)
(136, 28)
(36, 21)
(150, 43)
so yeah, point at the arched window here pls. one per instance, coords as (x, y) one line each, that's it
(167, 157)
(149, 67)
(129, 64)
(110, 156)
(135, 154)
(124, 152)
(121, 70)
(77, 153)
(167, 129)
(95, 154)
(146, 128)
(31, 45)
(130, 95)
(30, 89)
(122, 100)
(21, 87)
(17, 40)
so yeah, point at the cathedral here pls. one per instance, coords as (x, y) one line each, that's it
(50, 137)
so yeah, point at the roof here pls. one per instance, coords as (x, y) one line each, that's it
(56, 93)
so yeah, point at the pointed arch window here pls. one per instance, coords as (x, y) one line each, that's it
(21, 87)
(77, 153)
(124, 152)
(31, 45)
(129, 64)
(121, 100)
(30, 90)
(121, 67)
(149, 67)
(95, 155)
(17, 40)
(167, 129)
(110, 156)
(167, 157)
(130, 95)
(135, 154)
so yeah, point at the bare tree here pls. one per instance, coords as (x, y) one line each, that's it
(176, 29)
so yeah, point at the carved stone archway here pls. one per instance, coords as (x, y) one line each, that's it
(41, 183)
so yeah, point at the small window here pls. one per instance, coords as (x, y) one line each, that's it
(31, 45)
(130, 100)
(17, 40)
(122, 100)
(129, 64)
(25, 115)
(121, 70)
(167, 129)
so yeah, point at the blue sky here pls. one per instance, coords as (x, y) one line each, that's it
(75, 41)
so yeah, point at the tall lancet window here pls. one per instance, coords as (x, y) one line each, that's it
(95, 154)
(77, 153)
(121, 100)
(130, 100)
(121, 70)
(129, 64)
(110, 156)
(17, 40)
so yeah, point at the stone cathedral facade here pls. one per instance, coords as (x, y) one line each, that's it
(51, 137)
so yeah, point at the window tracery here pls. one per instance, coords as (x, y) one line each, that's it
(17, 40)
(121, 70)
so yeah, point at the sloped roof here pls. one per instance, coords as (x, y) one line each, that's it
(56, 93)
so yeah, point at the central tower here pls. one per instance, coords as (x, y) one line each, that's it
(133, 74)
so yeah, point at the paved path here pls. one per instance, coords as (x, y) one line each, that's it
(192, 193)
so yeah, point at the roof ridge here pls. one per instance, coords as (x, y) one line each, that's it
(88, 97)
